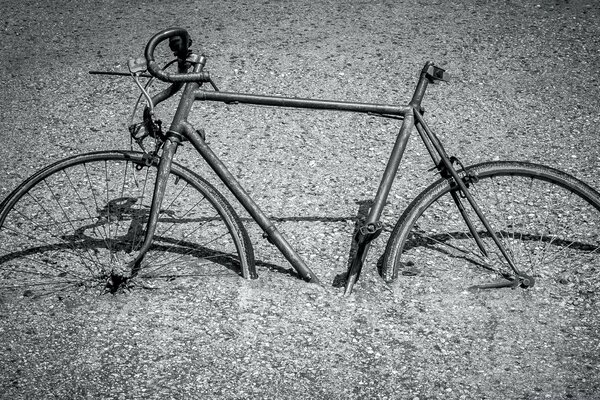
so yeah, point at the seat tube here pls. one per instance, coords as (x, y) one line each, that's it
(392, 168)
(373, 227)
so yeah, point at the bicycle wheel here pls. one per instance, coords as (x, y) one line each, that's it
(77, 224)
(548, 221)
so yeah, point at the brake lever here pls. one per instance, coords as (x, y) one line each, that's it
(137, 65)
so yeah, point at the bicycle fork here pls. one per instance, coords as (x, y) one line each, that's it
(164, 168)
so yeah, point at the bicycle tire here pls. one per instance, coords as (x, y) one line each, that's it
(76, 224)
(548, 220)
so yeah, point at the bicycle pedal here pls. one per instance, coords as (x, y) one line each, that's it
(410, 272)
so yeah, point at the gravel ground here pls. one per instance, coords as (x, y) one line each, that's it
(526, 87)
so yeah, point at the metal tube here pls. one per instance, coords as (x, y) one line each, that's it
(421, 87)
(257, 214)
(162, 175)
(392, 167)
(380, 198)
(434, 157)
(117, 73)
(277, 101)
(438, 146)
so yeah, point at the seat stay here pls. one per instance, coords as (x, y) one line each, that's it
(448, 169)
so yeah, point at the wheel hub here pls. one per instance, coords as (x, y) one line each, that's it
(115, 281)
(527, 281)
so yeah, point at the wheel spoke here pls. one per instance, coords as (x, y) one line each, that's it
(70, 249)
(547, 221)
(191, 249)
(76, 227)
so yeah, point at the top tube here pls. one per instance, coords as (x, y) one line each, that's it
(429, 73)
(179, 42)
(294, 102)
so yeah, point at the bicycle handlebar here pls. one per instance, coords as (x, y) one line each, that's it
(179, 42)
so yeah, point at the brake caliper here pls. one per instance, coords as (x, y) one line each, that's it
(467, 177)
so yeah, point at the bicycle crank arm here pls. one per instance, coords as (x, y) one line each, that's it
(499, 284)
(363, 238)
(523, 280)
(355, 268)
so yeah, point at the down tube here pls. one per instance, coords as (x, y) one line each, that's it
(257, 214)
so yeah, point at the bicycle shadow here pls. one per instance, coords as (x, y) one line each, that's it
(161, 244)
(440, 243)
(95, 245)
(121, 209)
(96, 236)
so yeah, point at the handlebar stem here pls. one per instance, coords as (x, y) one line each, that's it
(181, 49)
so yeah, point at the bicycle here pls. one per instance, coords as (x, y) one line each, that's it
(98, 222)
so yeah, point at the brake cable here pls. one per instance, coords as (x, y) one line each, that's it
(136, 67)
(135, 75)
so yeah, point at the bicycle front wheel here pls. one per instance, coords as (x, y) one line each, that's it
(548, 221)
(78, 224)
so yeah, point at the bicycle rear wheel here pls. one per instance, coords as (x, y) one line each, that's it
(77, 224)
(548, 221)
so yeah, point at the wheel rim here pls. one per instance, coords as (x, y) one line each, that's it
(79, 228)
(550, 232)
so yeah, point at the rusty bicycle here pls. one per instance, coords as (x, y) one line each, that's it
(103, 220)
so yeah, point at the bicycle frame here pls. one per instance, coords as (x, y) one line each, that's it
(411, 116)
